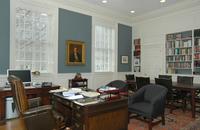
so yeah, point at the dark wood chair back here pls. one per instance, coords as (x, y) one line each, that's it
(166, 83)
(78, 83)
(130, 77)
(165, 77)
(142, 81)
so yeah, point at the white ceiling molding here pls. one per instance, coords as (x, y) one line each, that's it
(167, 10)
(89, 9)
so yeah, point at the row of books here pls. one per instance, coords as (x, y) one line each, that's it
(179, 65)
(179, 44)
(180, 51)
(186, 58)
(196, 63)
(196, 49)
(197, 42)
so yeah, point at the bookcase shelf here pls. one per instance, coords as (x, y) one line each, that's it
(179, 53)
(196, 52)
(136, 55)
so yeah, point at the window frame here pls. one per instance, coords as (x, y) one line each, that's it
(35, 6)
(111, 24)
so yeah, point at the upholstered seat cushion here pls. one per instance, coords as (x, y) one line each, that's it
(142, 108)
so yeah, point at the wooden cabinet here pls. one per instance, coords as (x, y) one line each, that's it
(179, 53)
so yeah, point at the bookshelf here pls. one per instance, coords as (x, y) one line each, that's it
(196, 69)
(137, 57)
(179, 53)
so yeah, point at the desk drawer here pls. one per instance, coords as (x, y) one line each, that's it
(77, 107)
(77, 125)
(78, 115)
(64, 102)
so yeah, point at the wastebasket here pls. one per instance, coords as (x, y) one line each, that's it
(10, 108)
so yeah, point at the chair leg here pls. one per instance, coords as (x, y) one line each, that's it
(150, 124)
(163, 119)
(129, 117)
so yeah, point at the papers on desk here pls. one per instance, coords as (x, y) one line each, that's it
(58, 90)
(75, 97)
(72, 94)
(87, 101)
(106, 88)
(90, 94)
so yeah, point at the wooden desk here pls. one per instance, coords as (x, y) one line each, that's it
(106, 115)
(30, 91)
(190, 88)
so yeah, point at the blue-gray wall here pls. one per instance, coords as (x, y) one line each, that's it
(74, 26)
(4, 35)
(124, 47)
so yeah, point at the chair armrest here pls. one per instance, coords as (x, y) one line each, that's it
(158, 103)
(37, 110)
(136, 97)
(34, 102)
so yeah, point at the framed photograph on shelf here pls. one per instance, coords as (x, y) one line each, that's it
(75, 52)
(136, 62)
(124, 59)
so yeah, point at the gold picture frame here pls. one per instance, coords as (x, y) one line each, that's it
(75, 52)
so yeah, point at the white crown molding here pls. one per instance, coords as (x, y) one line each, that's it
(187, 4)
(87, 9)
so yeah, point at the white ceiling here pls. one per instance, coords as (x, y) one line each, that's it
(139, 6)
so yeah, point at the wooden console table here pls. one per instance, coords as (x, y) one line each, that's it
(31, 92)
(105, 115)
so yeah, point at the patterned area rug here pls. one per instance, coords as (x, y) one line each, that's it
(177, 120)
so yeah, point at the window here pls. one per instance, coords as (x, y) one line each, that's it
(33, 44)
(104, 48)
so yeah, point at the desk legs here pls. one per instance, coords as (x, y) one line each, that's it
(193, 103)
(2, 111)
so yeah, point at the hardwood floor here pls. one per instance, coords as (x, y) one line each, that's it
(15, 124)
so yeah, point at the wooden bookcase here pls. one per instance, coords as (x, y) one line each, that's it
(196, 69)
(179, 53)
(137, 56)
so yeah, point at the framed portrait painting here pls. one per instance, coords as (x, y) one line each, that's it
(75, 52)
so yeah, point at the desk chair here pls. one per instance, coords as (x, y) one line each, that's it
(142, 81)
(36, 117)
(171, 95)
(149, 103)
(130, 80)
(78, 83)
(183, 94)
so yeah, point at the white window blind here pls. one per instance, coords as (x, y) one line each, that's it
(104, 48)
(33, 46)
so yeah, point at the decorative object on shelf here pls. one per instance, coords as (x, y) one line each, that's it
(124, 59)
(75, 52)
(179, 53)
(136, 57)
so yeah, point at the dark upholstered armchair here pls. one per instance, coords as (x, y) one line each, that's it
(38, 117)
(149, 103)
